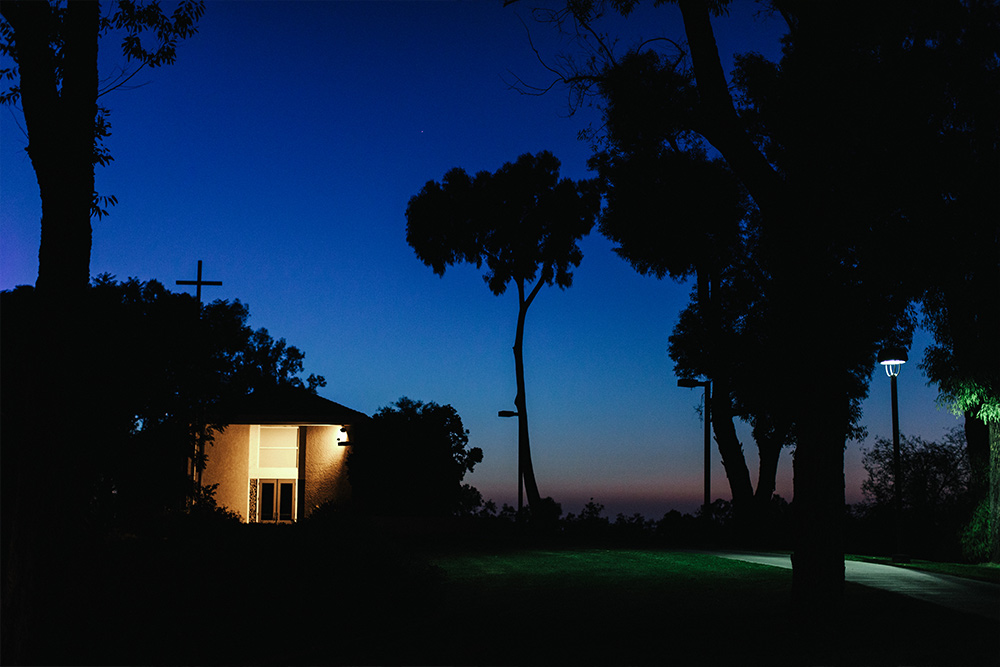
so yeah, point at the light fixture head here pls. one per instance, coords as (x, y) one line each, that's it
(691, 383)
(893, 355)
(892, 359)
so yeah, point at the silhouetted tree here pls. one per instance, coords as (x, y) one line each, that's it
(934, 87)
(410, 460)
(54, 47)
(155, 365)
(964, 362)
(737, 348)
(934, 473)
(834, 146)
(523, 222)
(937, 501)
(654, 170)
(695, 218)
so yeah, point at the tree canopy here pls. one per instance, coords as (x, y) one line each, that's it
(937, 501)
(410, 460)
(845, 147)
(54, 48)
(156, 367)
(524, 223)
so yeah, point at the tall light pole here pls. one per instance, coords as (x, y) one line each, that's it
(520, 477)
(690, 383)
(892, 359)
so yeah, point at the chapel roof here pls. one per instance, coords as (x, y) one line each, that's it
(287, 405)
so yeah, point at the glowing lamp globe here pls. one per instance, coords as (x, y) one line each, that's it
(892, 358)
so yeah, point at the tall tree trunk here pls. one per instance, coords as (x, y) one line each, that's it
(526, 471)
(61, 133)
(728, 443)
(769, 451)
(49, 518)
(818, 509)
(994, 516)
(977, 445)
(731, 450)
(818, 562)
(717, 119)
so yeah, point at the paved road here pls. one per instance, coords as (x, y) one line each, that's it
(977, 597)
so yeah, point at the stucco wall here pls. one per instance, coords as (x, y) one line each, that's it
(228, 461)
(325, 472)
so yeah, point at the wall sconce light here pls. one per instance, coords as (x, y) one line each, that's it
(342, 437)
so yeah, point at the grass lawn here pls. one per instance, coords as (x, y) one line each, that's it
(288, 597)
(661, 607)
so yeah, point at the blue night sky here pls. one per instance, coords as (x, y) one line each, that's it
(282, 148)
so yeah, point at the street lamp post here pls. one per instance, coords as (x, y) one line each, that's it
(689, 383)
(520, 479)
(892, 359)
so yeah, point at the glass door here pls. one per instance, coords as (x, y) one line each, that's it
(277, 501)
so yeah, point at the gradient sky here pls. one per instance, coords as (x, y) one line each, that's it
(282, 148)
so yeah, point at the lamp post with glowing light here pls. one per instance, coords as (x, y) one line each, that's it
(690, 383)
(892, 359)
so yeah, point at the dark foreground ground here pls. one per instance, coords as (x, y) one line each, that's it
(349, 595)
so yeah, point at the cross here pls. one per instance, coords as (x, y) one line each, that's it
(198, 283)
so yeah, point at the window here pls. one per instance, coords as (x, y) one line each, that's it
(279, 447)
(277, 500)
(274, 473)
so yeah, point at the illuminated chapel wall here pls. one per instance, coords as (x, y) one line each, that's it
(233, 457)
(325, 473)
(228, 467)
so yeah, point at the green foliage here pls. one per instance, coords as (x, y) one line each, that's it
(204, 508)
(964, 360)
(410, 459)
(976, 542)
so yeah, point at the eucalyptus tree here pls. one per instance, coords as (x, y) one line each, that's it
(964, 362)
(735, 344)
(524, 223)
(828, 144)
(673, 211)
(54, 48)
(411, 459)
(959, 259)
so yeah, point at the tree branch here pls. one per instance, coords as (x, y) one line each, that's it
(119, 82)
(719, 122)
(533, 293)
